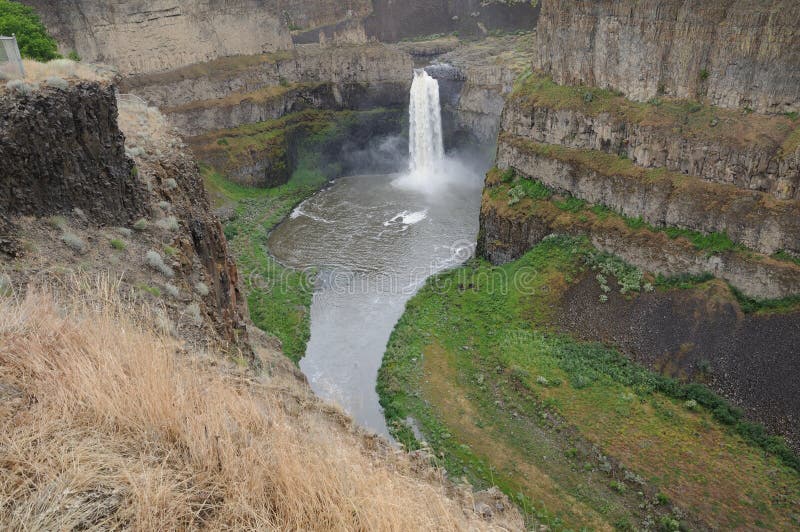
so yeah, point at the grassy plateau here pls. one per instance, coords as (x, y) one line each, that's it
(575, 433)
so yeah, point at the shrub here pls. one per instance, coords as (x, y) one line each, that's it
(62, 67)
(617, 486)
(170, 251)
(508, 175)
(172, 290)
(164, 205)
(170, 223)
(691, 404)
(19, 87)
(628, 278)
(201, 288)
(32, 37)
(171, 184)
(193, 311)
(529, 188)
(140, 225)
(704, 74)
(155, 261)
(73, 56)
(74, 242)
(57, 222)
(56, 82)
(515, 195)
(124, 231)
(152, 290)
(118, 244)
(571, 204)
(6, 288)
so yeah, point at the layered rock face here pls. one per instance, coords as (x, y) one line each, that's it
(393, 20)
(488, 70)
(723, 153)
(203, 248)
(61, 150)
(152, 36)
(230, 92)
(139, 36)
(734, 53)
(664, 133)
(750, 218)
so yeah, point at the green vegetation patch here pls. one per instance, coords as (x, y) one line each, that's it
(576, 216)
(574, 432)
(713, 243)
(279, 298)
(32, 37)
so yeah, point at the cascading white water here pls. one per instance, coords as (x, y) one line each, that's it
(426, 145)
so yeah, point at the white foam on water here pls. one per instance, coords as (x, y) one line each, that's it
(298, 212)
(414, 217)
(406, 218)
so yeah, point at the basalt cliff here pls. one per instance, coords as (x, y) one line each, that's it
(652, 131)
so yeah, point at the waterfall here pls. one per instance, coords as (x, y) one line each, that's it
(425, 135)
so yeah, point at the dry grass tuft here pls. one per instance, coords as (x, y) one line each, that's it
(66, 69)
(105, 424)
(145, 128)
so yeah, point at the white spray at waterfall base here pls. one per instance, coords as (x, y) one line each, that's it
(429, 170)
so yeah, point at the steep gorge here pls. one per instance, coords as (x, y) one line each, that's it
(689, 171)
(665, 164)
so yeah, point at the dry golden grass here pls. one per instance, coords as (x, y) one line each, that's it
(144, 126)
(64, 68)
(106, 425)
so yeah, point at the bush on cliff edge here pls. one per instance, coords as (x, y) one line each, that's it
(32, 37)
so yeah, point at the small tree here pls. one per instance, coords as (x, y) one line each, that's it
(32, 37)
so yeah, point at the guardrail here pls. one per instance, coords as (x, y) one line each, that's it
(10, 58)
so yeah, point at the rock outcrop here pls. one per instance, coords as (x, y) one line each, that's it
(733, 53)
(394, 20)
(61, 150)
(156, 36)
(230, 92)
(146, 36)
(488, 70)
(719, 146)
(203, 250)
(754, 219)
(508, 233)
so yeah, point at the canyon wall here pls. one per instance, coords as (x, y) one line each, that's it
(62, 149)
(157, 35)
(62, 153)
(230, 92)
(666, 133)
(145, 36)
(742, 150)
(394, 20)
(733, 53)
